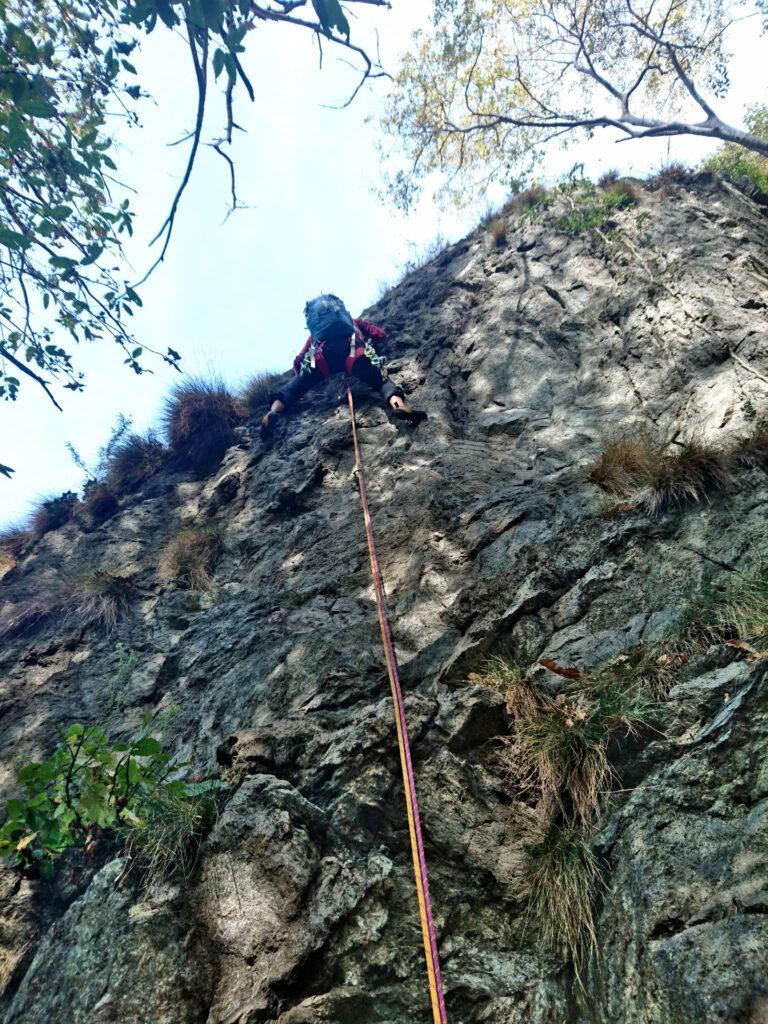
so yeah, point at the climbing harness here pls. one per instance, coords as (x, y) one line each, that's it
(414, 824)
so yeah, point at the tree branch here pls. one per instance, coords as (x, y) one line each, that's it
(29, 373)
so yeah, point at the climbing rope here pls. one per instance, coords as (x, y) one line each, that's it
(411, 803)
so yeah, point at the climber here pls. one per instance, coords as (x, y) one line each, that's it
(336, 343)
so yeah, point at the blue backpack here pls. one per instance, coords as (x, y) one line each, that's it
(328, 319)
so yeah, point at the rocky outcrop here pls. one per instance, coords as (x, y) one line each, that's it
(302, 909)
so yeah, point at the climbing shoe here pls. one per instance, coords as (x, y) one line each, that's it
(268, 425)
(409, 415)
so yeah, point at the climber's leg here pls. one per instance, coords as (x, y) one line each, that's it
(282, 401)
(393, 395)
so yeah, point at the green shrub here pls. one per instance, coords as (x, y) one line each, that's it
(592, 210)
(89, 785)
(741, 164)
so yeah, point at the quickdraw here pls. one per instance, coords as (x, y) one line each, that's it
(412, 807)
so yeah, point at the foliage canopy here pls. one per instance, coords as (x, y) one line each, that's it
(489, 84)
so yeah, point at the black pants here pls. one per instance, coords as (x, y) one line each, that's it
(362, 368)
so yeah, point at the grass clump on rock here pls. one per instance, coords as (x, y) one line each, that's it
(199, 419)
(558, 757)
(191, 555)
(497, 231)
(654, 475)
(98, 503)
(51, 513)
(254, 394)
(133, 460)
(13, 541)
(99, 598)
(562, 880)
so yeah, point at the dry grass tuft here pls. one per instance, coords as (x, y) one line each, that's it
(559, 748)
(605, 181)
(191, 556)
(254, 395)
(99, 598)
(627, 462)
(26, 617)
(51, 513)
(655, 476)
(563, 878)
(133, 460)
(527, 200)
(98, 503)
(624, 188)
(752, 451)
(613, 184)
(497, 231)
(665, 180)
(199, 418)
(13, 541)
(692, 471)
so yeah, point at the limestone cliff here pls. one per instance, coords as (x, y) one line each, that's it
(529, 354)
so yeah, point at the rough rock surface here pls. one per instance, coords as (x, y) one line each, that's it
(303, 909)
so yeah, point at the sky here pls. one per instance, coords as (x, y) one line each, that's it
(230, 294)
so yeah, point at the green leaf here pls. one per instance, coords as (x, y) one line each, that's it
(60, 212)
(330, 16)
(218, 62)
(166, 13)
(147, 746)
(15, 809)
(36, 106)
(14, 239)
(46, 869)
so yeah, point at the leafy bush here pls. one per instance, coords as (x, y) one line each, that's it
(51, 513)
(191, 556)
(593, 210)
(90, 785)
(199, 418)
(87, 785)
(133, 460)
(744, 165)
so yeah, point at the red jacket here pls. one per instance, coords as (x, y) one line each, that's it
(370, 332)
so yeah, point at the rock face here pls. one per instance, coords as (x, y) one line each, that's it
(302, 908)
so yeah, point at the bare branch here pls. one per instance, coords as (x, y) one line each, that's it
(22, 368)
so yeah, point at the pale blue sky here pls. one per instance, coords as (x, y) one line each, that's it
(230, 296)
